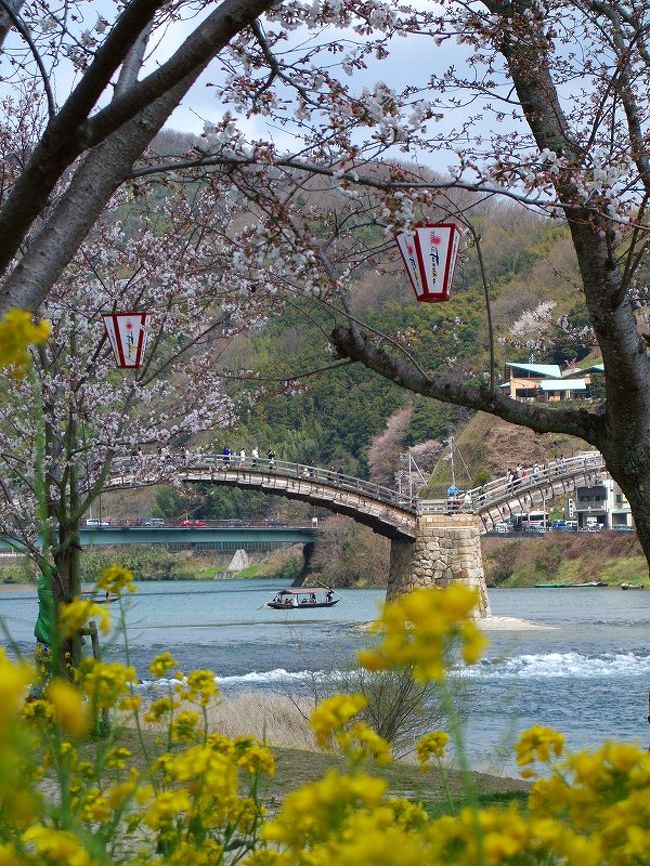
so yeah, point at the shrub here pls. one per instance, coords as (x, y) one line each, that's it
(483, 476)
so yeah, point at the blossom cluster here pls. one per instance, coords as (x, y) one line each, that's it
(419, 627)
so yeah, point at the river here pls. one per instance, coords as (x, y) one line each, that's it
(587, 675)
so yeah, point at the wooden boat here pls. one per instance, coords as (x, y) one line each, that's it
(303, 599)
(554, 585)
(589, 583)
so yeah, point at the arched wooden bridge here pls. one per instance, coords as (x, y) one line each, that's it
(385, 510)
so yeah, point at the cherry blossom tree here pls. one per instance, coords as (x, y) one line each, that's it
(74, 419)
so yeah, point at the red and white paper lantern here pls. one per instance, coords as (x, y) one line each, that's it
(429, 253)
(127, 333)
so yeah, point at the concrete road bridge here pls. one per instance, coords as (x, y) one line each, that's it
(247, 536)
(433, 541)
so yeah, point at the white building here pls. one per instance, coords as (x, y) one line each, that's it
(604, 504)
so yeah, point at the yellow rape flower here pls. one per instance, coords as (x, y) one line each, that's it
(199, 687)
(419, 627)
(539, 744)
(549, 796)
(17, 332)
(222, 744)
(75, 614)
(162, 664)
(14, 678)
(38, 710)
(119, 794)
(332, 713)
(117, 757)
(57, 846)
(184, 728)
(97, 808)
(105, 682)
(317, 810)
(8, 855)
(166, 806)
(130, 704)
(202, 853)
(218, 775)
(116, 579)
(68, 706)
(267, 857)
(431, 745)
(623, 757)
(257, 759)
(160, 708)
(362, 742)
(369, 841)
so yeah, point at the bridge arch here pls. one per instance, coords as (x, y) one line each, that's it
(384, 510)
(433, 541)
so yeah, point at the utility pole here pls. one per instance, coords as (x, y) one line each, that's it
(451, 453)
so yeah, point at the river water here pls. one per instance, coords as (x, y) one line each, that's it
(587, 675)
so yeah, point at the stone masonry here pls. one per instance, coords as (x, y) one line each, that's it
(447, 548)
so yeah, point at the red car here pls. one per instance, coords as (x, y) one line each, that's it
(194, 523)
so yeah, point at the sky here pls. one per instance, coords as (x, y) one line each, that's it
(413, 58)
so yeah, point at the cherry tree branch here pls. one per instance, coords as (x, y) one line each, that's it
(11, 8)
(578, 422)
(143, 108)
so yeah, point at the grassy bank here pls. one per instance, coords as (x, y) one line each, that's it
(282, 722)
(612, 557)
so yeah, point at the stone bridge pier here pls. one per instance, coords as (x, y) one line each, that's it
(447, 548)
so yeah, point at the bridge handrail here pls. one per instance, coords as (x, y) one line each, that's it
(277, 468)
(481, 498)
(501, 489)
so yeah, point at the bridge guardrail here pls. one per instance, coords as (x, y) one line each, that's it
(481, 499)
(500, 490)
(136, 467)
(209, 524)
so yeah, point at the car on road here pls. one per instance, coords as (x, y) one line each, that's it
(565, 525)
(194, 524)
(274, 521)
(502, 527)
(154, 521)
(96, 523)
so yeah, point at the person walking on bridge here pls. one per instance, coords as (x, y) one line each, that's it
(255, 456)
(271, 456)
